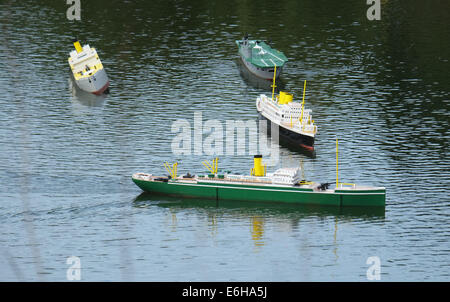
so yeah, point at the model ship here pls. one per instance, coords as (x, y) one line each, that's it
(283, 185)
(294, 121)
(261, 59)
(87, 69)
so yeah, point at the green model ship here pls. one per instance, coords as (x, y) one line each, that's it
(284, 185)
(261, 59)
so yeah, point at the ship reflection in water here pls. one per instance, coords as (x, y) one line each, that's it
(284, 217)
(257, 230)
(84, 98)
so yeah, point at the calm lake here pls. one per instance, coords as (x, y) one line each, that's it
(66, 157)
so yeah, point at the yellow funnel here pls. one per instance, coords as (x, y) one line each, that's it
(77, 45)
(258, 168)
(281, 98)
(288, 98)
(285, 98)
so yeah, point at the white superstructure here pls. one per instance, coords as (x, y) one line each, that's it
(287, 114)
(286, 176)
(87, 69)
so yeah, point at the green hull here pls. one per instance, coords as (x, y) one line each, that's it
(257, 193)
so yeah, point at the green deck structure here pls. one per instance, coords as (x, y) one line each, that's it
(261, 59)
(260, 54)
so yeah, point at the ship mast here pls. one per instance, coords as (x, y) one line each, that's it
(337, 182)
(273, 84)
(303, 105)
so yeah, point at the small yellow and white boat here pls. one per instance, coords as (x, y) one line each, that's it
(294, 121)
(87, 69)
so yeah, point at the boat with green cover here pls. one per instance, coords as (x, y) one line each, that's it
(260, 58)
(283, 185)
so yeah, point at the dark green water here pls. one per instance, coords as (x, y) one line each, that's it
(66, 158)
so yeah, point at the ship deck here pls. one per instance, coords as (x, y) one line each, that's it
(86, 64)
(263, 55)
(313, 186)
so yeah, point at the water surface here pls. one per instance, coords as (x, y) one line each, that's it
(66, 157)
